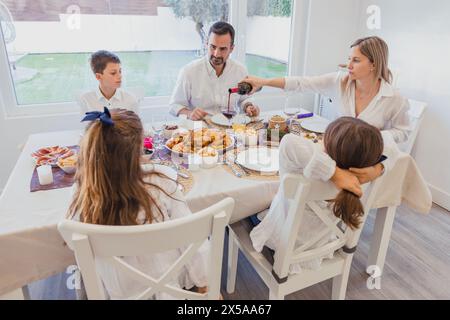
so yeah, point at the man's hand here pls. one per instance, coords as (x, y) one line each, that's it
(368, 174)
(344, 179)
(197, 114)
(251, 110)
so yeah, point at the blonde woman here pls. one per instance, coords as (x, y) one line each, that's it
(112, 189)
(365, 92)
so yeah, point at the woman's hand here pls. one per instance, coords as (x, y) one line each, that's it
(368, 174)
(257, 83)
(344, 179)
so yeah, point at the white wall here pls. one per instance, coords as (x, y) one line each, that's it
(262, 29)
(418, 35)
(141, 33)
(114, 32)
(332, 29)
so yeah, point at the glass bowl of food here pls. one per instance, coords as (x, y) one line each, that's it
(69, 164)
(169, 130)
(209, 157)
(278, 122)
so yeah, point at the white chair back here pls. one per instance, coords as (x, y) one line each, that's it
(416, 114)
(304, 194)
(301, 194)
(113, 242)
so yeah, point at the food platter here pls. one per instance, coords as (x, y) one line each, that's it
(193, 141)
(51, 155)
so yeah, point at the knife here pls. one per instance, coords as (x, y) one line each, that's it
(236, 173)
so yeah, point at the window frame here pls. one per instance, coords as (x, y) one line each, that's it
(237, 17)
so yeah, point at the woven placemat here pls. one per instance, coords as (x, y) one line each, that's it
(60, 178)
(186, 183)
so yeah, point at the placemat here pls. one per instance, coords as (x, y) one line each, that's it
(60, 178)
(186, 183)
(245, 172)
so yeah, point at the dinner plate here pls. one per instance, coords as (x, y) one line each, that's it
(221, 120)
(261, 159)
(315, 125)
(158, 168)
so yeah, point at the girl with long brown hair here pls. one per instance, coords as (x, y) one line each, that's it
(112, 189)
(349, 142)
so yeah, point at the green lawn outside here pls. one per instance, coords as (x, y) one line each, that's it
(61, 76)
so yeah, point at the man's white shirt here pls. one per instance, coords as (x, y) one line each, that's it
(198, 86)
(95, 101)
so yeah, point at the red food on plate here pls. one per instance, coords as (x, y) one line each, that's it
(50, 155)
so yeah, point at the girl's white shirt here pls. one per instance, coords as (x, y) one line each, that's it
(301, 156)
(173, 206)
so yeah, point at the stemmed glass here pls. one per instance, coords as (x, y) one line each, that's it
(229, 113)
(290, 107)
(158, 123)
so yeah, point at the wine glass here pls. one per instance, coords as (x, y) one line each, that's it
(229, 110)
(158, 123)
(291, 108)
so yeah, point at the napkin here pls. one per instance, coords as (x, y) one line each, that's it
(190, 124)
(165, 170)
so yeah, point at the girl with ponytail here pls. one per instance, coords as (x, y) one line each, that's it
(112, 189)
(348, 143)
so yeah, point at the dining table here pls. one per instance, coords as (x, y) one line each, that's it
(31, 248)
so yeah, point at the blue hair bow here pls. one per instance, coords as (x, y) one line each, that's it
(104, 117)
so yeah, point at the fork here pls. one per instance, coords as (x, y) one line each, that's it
(177, 168)
(236, 173)
(247, 173)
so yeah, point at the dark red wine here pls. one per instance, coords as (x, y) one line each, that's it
(229, 113)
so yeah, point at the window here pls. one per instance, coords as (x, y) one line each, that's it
(45, 45)
(268, 21)
(49, 43)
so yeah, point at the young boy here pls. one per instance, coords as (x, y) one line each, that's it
(107, 70)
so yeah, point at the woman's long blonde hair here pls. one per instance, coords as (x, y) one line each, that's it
(377, 51)
(110, 182)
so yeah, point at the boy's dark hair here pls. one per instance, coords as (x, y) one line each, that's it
(222, 28)
(100, 59)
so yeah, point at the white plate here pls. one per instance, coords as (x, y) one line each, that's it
(165, 170)
(221, 120)
(262, 159)
(315, 125)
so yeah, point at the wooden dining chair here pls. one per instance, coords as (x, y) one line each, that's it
(274, 270)
(90, 241)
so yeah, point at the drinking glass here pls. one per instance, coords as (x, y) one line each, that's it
(291, 108)
(158, 123)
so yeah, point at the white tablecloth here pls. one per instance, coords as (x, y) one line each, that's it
(30, 245)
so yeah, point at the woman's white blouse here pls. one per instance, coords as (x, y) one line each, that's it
(388, 110)
(120, 286)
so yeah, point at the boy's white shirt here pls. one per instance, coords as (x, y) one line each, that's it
(95, 101)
